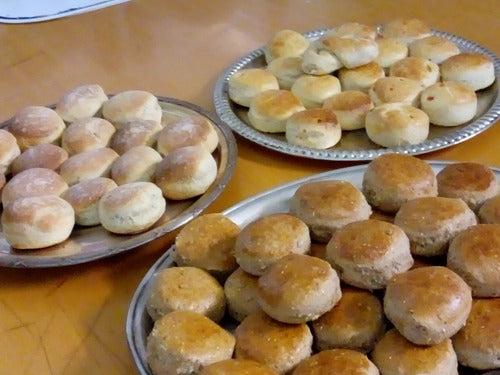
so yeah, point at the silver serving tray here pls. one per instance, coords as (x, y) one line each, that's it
(88, 244)
(139, 324)
(355, 145)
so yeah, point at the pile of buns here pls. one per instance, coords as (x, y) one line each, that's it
(400, 275)
(393, 81)
(97, 160)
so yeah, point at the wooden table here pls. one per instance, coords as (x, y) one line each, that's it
(72, 320)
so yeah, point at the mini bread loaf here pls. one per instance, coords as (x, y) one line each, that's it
(298, 288)
(360, 78)
(240, 289)
(489, 212)
(285, 43)
(35, 222)
(44, 155)
(237, 366)
(449, 103)
(131, 208)
(395, 90)
(351, 51)
(80, 102)
(405, 30)
(391, 179)
(244, 84)
(9, 151)
(186, 172)
(431, 222)
(136, 164)
(269, 238)
(367, 253)
(395, 355)
(328, 205)
(350, 107)
(336, 361)
(84, 197)
(278, 345)
(473, 69)
(434, 48)
(130, 106)
(318, 60)
(355, 322)
(312, 91)
(185, 288)
(88, 164)
(417, 68)
(33, 125)
(183, 342)
(473, 255)
(390, 50)
(397, 124)
(427, 304)
(286, 70)
(187, 131)
(316, 128)
(86, 134)
(135, 133)
(270, 109)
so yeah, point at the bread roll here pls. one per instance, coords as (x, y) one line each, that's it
(240, 289)
(312, 91)
(286, 70)
(350, 107)
(434, 48)
(9, 151)
(136, 164)
(405, 30)
(44, 155)
(80, 102)
(473, 69)
(390, 50)
(86, 134)
(237, 366)
(135, 133)
(354, 30)
(130, 106)
(351, 51)
(319, 60)
(360, 78)
(417, 68)
(285, 43)
(396, 90)
(336, 361)
(244, 84)
(489, 212)
(88, 164)
(315, 128)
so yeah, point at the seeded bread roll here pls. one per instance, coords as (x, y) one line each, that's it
(130, 106)
(473, 69)
(45, 155)
(237, 366)
(135, 133)
(417, 68)
(395, 90)
(80, 102)
(351, 51)
(361, 78)
(489, 212)
(86, 134)
(286, 70)
(390, 50)
(405, 29)
(336, 361)
(315, 128)
(240, 289)
(319, 60)
(350, 107)
(285, 43)
(312, 91)
(136, 164)
(9, 151)
(434, 48)
(244, 84)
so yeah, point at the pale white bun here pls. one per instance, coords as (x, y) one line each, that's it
(237, 366)
(88, 164)
(352, 51)
(84, 197)
(313, 90)
(390, 50)
(316, 128)
(135, 133)
(244, 84)
(337, 361)
(186, 172)
(240, 289)
(285, 43)
(33, 125)
(405, 30)
(183, 342)
(270, 109)
(360, 78)
(449, 103)
(353, 30)
(286, 70)
(350, 107)
(434, 48)
(318, 60)
(397, 124)
(473, 69)
(136, 164)
(33, 222)
(489, 212)
(131, 105)
(9, 151)
(87, 133)
(44, 155)
(427, 304)
(396, 90)
(131, 208)
(417, 68)
(80, 102)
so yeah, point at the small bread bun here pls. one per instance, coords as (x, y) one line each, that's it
(84, 198)
(135, 133)
(489, 212)
(405, 30)
(473, 255)
(183, 342)
(351, 51)
(355, 322)
(313, 90)
(207, 242)
(417, 68)
(130, 106)
(33, 125)
(88, 164)
(9, 151)
(286, 70)
(354, 30)
(427, 304)
(285, 43)
(298, 288)
(434, 48)
(185, 288)
(237, 366)
(367, 253)
(136, 164)
(80, 102)
(240, 289)
(360, 78)
(336, 361)
(397, 124)
(431, 222)
(86, 134)
(270, 109)
(33, 222)
(392, 179)
(244, 84)
(316, 128)
(473, 69)
(265, 340)
(186, 172)
(477, 344)
(328, 205)
(395, 355)
(33, 182)
(390, 50)
(350, 107)
(472, 182)
(318, 60)
(269, 238)
(44, 155)
(395, 90)
(131, 208)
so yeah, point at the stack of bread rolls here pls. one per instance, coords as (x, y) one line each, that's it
(394, 81)
(399, 275)
(98, 160)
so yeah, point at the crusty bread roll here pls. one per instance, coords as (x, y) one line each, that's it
(88, 164)
(315, 128)
(417, 68)
(240, 289)
(136, 164)
(186, 172)
(33, 125)
(350, 107)
(319, 60)
(185, 288)
(434, 48)
(286, 70)
(237, 366)
(360, 78)
(9, 151)
(244, 84)
(390, 50)
(80, 102)
(313, 90)
(130, 106)
(336, 361)
(87, 133)
(269, 238)
(131, 208)
(352, 51)
(471, 68)
(427, 304)
(395, 90)
(44, 155)
(405, 29)
(489, 212)
(34, 222)
(135, 133)
(285, 43)
(183, 342)
(354, 30)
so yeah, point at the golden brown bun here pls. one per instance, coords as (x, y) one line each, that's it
(9, 151)
(240, 289)
(45, 155)
(87, 133)
(130, 106)
(136, 164)
(318, 60)
(135, 133)
(237, 367)
(286, 70)
(417, 68)
(427, 304)
(350, 107)
(316, 128)
(244, 84)
(390, 50)
(473, 69)
(489, 213)
(80, 102)
(312, 91)
(285, 43)
(405, 29)
(352, 51)
(88, 164)
(434, 48)
(395, 90)
(360, 78)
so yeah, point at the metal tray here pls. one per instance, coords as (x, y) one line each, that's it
(355, 145)
(88, 244)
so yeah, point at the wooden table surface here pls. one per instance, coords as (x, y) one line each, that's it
(71, 320)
